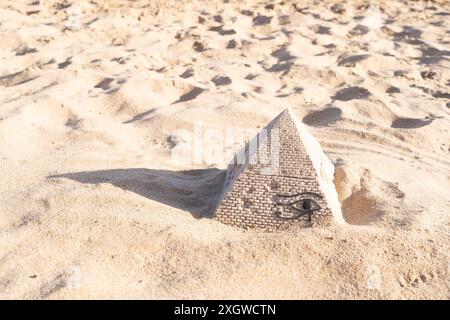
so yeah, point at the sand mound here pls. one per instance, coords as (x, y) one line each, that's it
(367, 199)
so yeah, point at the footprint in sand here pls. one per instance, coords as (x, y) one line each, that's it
(278, 67)
(187, 73)
(414, 280)
(322, 30)
(359, 30)
(282, 54)
(191, 95)
(351, 93)
(12, 78)
(346, 60)
(283, 20)
(199, 46)
(410, 123)
(17, 78)
(31, 217)
(53, 286)
(120, 60)
(73, 123)
(106, 85)
(282, 93)
(428, 74)
(261, 20)
(31, 12)
(25, 51)
(221, 81)
(62, 5)
(221, 31)
(231, 44)
(218, 18)
(64, 64)
(392, 89)
(434, 94)
(337, 8)
(140, 116)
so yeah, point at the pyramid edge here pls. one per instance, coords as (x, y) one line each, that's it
(322, 165)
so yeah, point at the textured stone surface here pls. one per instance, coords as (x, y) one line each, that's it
(278, 179)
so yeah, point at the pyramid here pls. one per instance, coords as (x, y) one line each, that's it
(280, 178)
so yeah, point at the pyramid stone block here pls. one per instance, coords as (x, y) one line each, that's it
(280, 178)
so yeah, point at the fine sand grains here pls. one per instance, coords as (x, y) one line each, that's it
(96, 97)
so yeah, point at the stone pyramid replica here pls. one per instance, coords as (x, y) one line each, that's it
(280, 178)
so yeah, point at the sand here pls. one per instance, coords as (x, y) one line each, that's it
(94, 96)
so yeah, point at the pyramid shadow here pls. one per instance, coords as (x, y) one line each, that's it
(195, 191)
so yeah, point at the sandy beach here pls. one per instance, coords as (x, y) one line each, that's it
(96, 98)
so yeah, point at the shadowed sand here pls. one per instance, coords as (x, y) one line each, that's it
(196, 191)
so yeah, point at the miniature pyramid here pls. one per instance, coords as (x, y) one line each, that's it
(281, 177)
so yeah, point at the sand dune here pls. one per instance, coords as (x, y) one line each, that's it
(94, 95)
